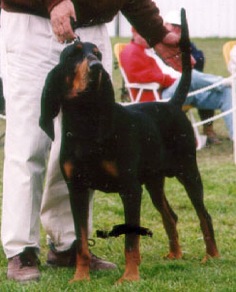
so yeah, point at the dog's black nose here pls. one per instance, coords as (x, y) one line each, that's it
(94, 62)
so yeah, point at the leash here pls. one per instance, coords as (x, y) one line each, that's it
(124, 229)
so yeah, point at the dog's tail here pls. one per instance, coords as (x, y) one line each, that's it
(181, 92)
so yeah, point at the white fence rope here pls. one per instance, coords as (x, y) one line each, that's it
(227, 80)
(221, 115)
(223, 81)
(230, 80)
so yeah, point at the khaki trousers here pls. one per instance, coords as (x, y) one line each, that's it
(29, 51)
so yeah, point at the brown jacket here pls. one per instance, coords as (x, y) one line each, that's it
(142, 14)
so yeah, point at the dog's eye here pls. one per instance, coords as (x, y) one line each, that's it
(97, 53)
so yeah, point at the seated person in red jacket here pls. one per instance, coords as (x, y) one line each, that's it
(142, 65)
(141, 68)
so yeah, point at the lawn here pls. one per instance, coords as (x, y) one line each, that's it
(157, 274)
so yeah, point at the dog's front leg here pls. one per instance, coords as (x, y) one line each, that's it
(132, 202)
(80, 210)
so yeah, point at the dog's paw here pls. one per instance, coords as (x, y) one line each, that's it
(127, 278)
(80, 276)
(174, 255)
(75, 279)
(208, 257)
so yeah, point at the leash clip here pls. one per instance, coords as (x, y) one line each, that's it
(76, 39)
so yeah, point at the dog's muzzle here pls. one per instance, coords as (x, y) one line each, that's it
(94, 63)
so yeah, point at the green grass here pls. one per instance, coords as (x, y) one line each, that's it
(219, 178)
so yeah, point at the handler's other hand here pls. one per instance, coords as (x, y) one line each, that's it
(170, 52)
(171, 39)
(61, 15)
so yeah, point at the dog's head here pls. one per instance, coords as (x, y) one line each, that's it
(78, 75)
(81, 64)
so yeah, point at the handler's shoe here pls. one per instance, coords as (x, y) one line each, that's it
(24, 266)
(68, 258)
(98, 264)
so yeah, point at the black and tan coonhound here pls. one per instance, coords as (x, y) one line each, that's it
(115, 148)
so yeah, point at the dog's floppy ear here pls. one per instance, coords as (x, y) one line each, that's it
(50, 101)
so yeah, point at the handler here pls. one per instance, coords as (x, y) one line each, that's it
(33, 35)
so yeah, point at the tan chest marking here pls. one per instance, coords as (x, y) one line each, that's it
(110, 167)
(68, 169)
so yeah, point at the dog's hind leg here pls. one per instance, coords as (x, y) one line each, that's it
(155, 188)
(131, 199)
(194, 188)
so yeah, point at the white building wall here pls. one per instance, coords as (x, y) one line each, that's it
(206, 18)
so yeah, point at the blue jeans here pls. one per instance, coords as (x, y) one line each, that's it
(217, 98)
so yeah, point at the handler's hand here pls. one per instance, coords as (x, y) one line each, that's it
(168, 50)
(60, 16)
(172, 39)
